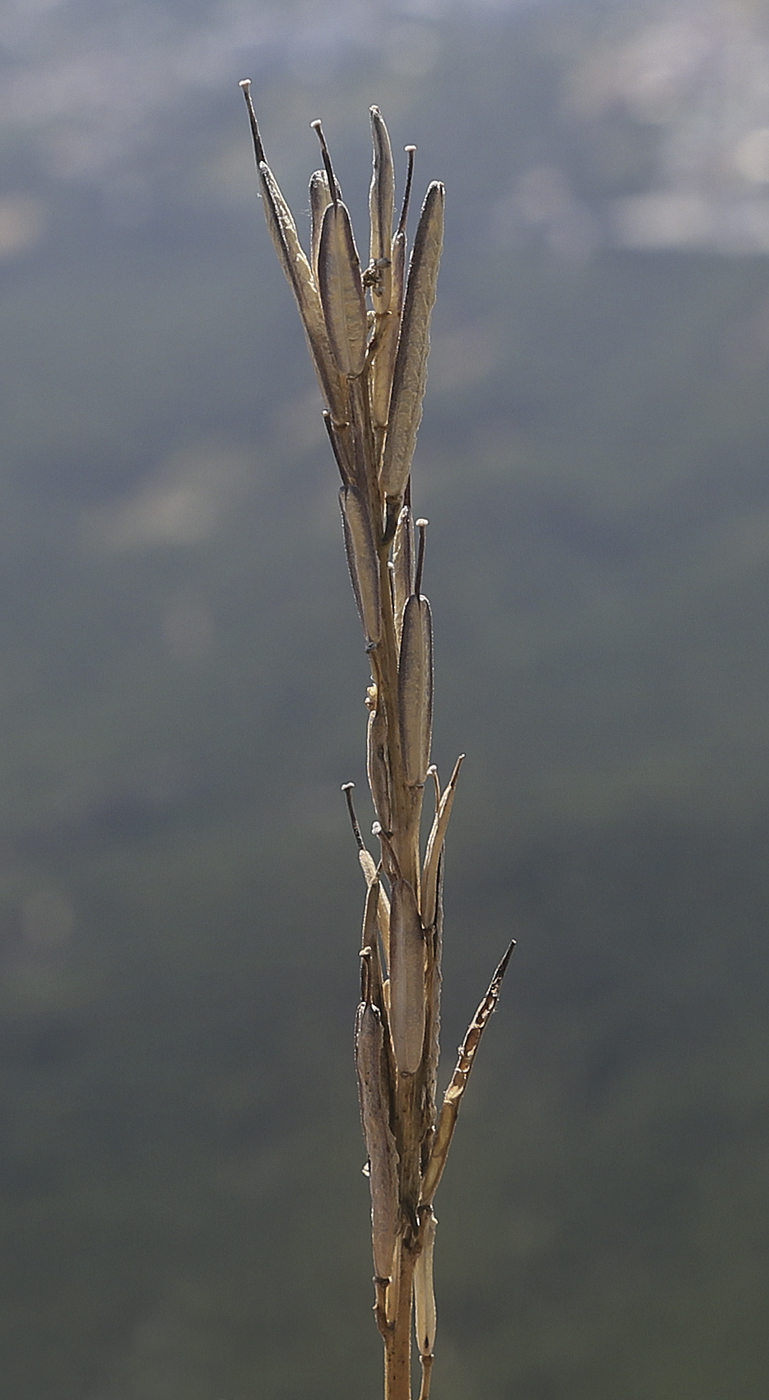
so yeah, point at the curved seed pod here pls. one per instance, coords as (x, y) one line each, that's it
(403, 565)
(282, 228)
(410, 373)
(378, 768)
(362, 561)
(387, 337)
(381, 208)
(407, 978)
(341, 290)
(370, 872)
(435, 846)
(320, 198)
(415, 688)
(425, 1318)
(380, 1143)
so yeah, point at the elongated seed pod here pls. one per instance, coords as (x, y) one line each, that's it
(377, 767)
(381, 208)
(387, 337)
(410, 373)
(380, 1143)
(362, 561)
(434, 847)
(425, 1318)
(415, 688)
(403, 566)
(407, 978)
(320, 198)
(341, 290)
(280, 222)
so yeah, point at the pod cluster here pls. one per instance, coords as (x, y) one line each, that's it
(368, 333)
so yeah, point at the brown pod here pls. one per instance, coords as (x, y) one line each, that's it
(410, 373)
(403, 566)
(341, 291)
(407, 978)
(320, 198)
(362, 561)
(415, 688)
(381, 209)
(387, 338)
(380, 1143)
(425, 1317)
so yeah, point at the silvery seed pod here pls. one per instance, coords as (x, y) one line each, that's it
(380, 1143)
(381, 209)
(362, 561)
(415, 688)
(341, 291)
(407, 978)
(410, 373)
(377, 767)
(320, 198)
(425, 1318)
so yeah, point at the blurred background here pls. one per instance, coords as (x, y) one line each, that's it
(182, 681)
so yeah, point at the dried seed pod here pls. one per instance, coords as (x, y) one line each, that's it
(407, 978)
(403, 566)
(425, 1319)
(282, 228)
(381, 209)
(415, 688)
(410, 373)
(362, 561)
(380, 1143)
(341, 291)
(339, 278)
(435, 846)
(378, 768)
(320, 198)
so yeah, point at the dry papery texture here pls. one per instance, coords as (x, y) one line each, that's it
(368, 332)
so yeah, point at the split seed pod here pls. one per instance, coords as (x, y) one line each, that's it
(415, 688)
(377, 767)
(425, 1317)
(381, 209)
(434, 847)
(403, 566)
(280, 222)
(407, 978)
(410, 373)
(362, 561)
(380, 1143)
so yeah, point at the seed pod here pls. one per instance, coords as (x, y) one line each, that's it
(410, 373)
(387, 338)
(282, 228)
(407, 978)
(380, 1143)
(415, 688)
(320, 198)
(425, 1319)
(381, 209)
(362, 561)
(403, 566)
(434, 847)
(341, 290)
(377, 767)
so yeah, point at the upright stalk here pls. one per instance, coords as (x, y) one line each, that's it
(368, 332)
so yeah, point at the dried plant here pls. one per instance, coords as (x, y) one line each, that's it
(368, 334)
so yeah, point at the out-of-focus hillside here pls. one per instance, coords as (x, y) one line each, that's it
(182, 684)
